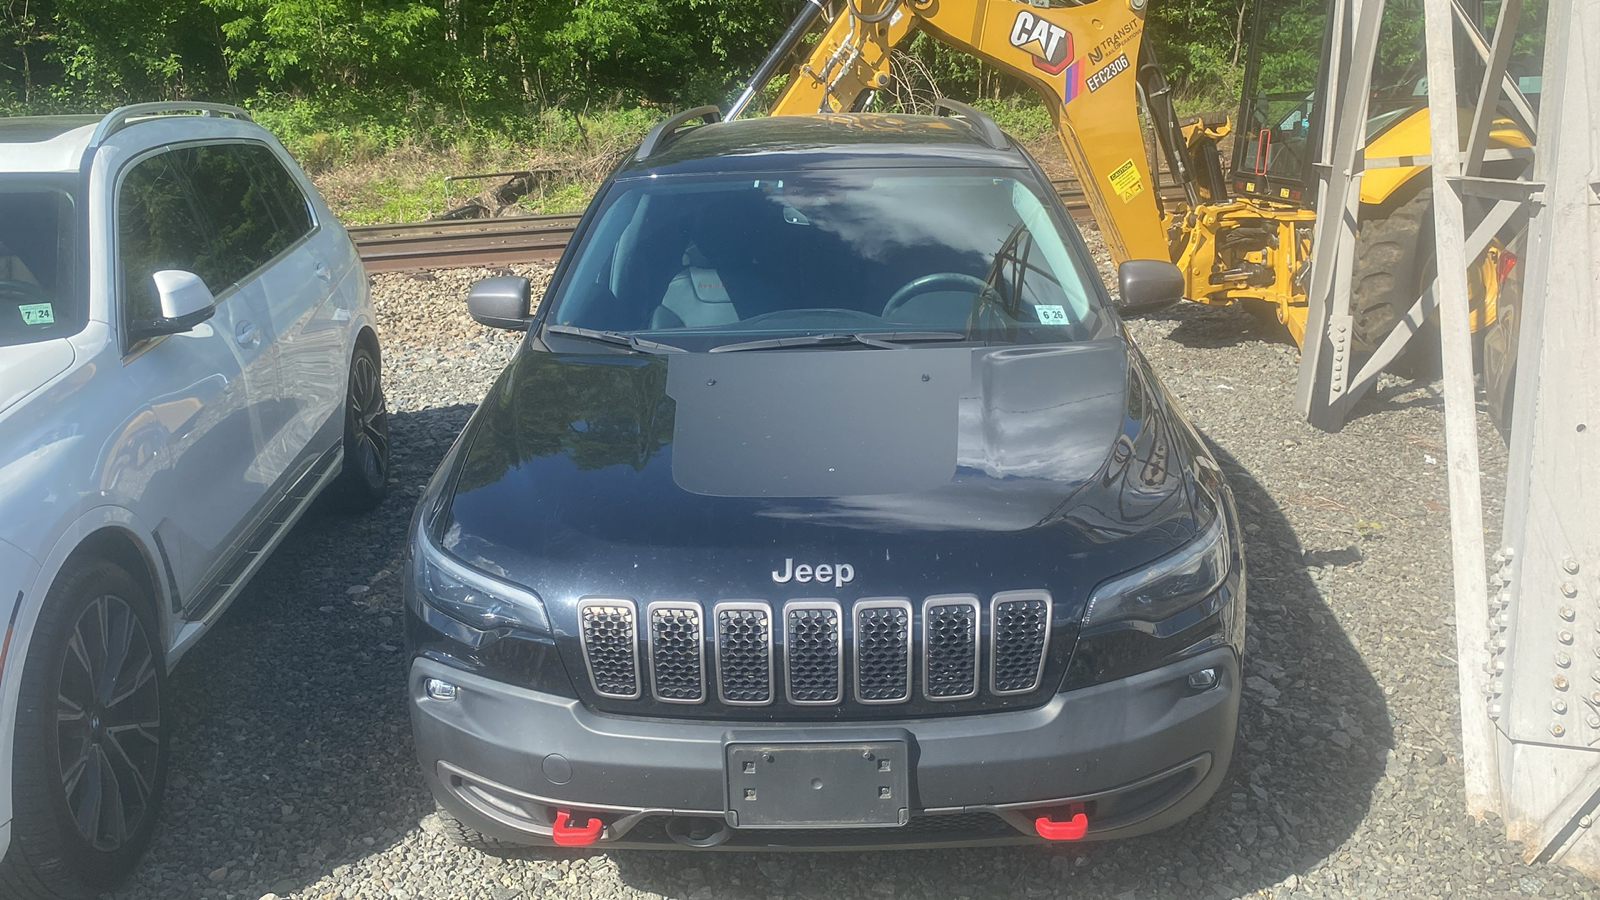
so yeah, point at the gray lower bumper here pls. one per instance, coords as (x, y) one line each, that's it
(495, 742)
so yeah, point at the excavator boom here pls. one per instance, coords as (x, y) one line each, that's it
(1083, 61)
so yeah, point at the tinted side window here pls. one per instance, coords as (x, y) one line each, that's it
(252, 218)
(218, 210)
(158, 227)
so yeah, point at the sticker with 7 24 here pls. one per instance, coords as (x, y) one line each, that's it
(37, 314)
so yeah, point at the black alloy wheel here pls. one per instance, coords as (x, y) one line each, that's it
(108, 723)
(90, 742)
(365, 479)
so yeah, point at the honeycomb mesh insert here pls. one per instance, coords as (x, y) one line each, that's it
(610, 649)
(744, 655)
(813, 655)
(675, 650)
(883, 650)
(952, 650)
(1019, 637)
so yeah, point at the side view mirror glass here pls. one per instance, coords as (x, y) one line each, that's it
(185, 302)
(500, 302)
(1148, 285)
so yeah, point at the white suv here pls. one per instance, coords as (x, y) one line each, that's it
(188, 358)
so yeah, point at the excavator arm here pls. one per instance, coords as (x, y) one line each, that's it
(1086, 62)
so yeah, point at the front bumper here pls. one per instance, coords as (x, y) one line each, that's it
(1138, 754)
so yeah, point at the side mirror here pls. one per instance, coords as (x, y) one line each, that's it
(500, 302)
(1148, 285)
(185, 302)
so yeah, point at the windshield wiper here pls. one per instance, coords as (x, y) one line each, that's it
(888, 340)
(614, 337)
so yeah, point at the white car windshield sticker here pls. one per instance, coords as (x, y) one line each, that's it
(38, 314)
(1051, 315)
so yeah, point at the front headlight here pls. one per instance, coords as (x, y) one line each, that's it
(1172, 584)
(470, 596)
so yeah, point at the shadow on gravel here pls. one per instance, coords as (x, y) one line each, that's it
(291, 749)
(292, 756)
(1215, 327)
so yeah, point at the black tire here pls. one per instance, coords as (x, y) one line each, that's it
(1394, 260)
(364, 481)
(85, 737)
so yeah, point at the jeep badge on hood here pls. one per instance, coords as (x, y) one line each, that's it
(840, 574)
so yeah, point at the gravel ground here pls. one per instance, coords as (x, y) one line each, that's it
(293, 771)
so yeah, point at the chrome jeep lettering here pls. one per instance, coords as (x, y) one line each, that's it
(840, 574)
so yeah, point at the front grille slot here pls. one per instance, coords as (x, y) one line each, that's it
(950, 647)
(883, 651)
(609, 630)
(813, 661)
(677, 664)
(744, 653)
(1019, 628)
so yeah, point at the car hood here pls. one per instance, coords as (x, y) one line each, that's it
(24, 368)
(926, 470)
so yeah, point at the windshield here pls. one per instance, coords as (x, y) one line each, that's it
(38, 293)
(706, 261)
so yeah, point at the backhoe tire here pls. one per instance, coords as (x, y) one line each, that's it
(1394, 261)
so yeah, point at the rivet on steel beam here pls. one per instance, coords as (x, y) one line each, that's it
(1558, 706)
(1593, 721)
(1570, 565)
(1499, 666)
(1568, 589)
(1568, 613)
(1557, 729)
(1564, 659)
(1494, 710)
(1508, 552)
(1559, 682)
(1586, 821)
(1565, 636)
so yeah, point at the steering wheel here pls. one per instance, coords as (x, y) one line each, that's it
(25, 289)
(936, 281)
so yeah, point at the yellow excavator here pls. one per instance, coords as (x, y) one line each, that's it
(1244, 235)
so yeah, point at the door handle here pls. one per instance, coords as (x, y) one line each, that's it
(324, 272)
(246, 335)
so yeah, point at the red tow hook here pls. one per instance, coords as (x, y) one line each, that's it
(1074, 828)
(567, 834)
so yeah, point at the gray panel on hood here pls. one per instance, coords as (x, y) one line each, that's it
(816, 423)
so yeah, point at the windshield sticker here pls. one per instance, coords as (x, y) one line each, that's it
(38, 314)
(1051, 315)
(1125, 179)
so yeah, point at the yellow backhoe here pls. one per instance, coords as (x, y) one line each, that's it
(1241, 236)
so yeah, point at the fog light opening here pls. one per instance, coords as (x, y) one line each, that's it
(1203, 680)
(443, 691)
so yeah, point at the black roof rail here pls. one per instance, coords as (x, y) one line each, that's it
(123, 116)
(663, 133)
(986, 128)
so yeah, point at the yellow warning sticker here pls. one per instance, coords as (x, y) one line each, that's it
(1125, 179)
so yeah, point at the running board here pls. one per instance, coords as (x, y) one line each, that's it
(265, 539)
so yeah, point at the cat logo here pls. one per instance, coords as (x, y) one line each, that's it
(1048, 43)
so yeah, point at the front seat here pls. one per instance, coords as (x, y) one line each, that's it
(696, 298)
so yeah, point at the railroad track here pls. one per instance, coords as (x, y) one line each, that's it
(410, 246)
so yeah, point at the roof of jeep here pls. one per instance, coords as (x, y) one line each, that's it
(792, 142)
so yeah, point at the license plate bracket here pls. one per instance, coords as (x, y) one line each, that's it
(844, 784)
